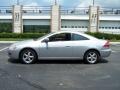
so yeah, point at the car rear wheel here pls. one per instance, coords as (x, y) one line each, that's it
(91, 57)
(28, 56)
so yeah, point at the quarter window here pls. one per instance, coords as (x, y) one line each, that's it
(78, 37)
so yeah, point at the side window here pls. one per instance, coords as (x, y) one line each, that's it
(78, 37)
(60, 37)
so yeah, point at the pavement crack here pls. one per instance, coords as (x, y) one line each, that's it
(3, 73)
(32, 83)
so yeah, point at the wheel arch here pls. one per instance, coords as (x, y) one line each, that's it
(92, 50)
(28, 48)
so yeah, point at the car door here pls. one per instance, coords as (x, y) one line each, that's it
(58, 46)
(79, 45)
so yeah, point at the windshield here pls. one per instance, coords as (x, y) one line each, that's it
(45, 36)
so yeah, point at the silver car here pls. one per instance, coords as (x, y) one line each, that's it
(61, 45)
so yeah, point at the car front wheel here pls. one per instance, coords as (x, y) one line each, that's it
(28, 56)
(91, 57)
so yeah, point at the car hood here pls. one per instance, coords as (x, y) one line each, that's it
(24, 42)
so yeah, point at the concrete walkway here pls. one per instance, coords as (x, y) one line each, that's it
(114, 43)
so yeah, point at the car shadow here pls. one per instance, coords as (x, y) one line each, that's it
(103, 61)
(58, 61)
(67, 61)
(13, 61)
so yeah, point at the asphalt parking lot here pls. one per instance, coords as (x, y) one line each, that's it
(60, 75)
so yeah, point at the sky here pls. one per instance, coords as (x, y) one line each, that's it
(70, 3)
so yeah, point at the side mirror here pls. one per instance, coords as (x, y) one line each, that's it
(46, 40)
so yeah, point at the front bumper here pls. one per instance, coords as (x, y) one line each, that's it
(13, 54)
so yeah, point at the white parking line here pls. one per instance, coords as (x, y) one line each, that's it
(113, 51)
(3, 49)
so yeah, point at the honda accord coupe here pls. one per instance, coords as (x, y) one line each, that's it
(62, 45)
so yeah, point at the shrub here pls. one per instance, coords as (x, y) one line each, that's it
(37, 35)
(23, 35)
(105, 36)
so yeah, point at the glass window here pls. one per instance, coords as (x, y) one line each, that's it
(62, 26)
(69, 27)
(78, 37)
(112, 27)
(106, 27)
(102, 27)
(75, 26)
(36, 28)
(72, 26)
(60, 37)
(65, 26)
(82, 26)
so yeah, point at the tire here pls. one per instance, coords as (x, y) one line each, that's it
(91, 57)
(28, 56)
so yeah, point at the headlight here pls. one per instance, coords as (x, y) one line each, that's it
(13, 47)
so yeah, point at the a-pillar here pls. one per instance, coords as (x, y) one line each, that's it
(55, 18)
(93, 19)
(17, 19)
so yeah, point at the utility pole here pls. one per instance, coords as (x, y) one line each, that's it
(93, 2)
(55, 2)
(18, 2)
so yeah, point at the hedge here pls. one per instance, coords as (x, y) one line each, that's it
(105, 36)
(23, 35)
(37, 35)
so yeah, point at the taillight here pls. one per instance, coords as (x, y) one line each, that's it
(107, 44)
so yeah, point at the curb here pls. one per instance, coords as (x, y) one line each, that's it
(8, 41)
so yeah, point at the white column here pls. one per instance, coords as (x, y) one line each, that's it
(93, 19)
(17, 19)
(55, 18)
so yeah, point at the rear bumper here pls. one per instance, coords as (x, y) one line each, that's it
(105, 53)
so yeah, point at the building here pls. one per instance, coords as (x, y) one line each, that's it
(38, 19)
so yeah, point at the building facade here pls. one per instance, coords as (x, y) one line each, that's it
(40, 19)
